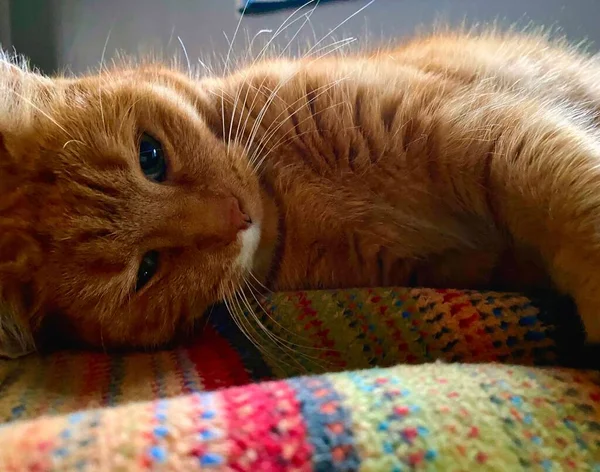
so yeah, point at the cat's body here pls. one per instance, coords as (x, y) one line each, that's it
(453, 160)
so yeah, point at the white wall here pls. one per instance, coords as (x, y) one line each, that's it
(82, 26)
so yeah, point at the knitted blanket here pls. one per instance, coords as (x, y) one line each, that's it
(383, 379)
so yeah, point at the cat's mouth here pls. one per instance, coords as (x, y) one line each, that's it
(246, 215)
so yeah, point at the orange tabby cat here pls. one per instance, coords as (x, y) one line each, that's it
(133, 199)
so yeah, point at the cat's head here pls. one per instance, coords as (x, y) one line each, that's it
(123, 213)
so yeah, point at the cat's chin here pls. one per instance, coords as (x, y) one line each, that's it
(249, 240)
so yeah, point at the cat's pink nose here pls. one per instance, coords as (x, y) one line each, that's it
(238, 220)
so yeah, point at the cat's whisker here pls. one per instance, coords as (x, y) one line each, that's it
(259, 282)
(237, 131)
(261, 147)
(234, 111)
(311, 50)
(228, 302)
(237, 95)
(343, 42)
(226, 68)
(252, 289)
(231, 43)
(327, 86)
(220, 94)
(306, 20)
(339, 26)
(284, 25)
(331, 48)
(250, 160)
(279, 342)
(258, 33)
(261, 54)
(278, 339)
(269, 134)
(249, 311)
(337, 45)
(187, 58)
(73, 141)
(232, 303)
(100, 82)
(249, 111)
(255, 341)
(170, 40)
(237, 316)
(205, 66)
(273, 94)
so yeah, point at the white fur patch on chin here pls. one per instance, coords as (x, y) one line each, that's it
(249, 240)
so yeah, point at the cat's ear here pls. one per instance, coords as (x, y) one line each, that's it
(19, 256)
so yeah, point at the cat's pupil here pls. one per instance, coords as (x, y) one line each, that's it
(152, 159)
(147, 269)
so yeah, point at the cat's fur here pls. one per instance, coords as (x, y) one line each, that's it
(453, 160)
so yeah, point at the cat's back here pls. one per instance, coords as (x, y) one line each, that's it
(532, 65)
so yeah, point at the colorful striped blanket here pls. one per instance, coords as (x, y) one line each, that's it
(374, 380)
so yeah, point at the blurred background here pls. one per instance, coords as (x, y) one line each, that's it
(57, 34)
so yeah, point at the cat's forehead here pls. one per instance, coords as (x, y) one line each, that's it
(100, 98)
(134, 97)
(127, 84)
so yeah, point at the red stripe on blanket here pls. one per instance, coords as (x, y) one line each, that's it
(217, 363)
(266, 429)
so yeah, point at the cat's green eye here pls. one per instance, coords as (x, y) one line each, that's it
(152, 159)
(147, 269)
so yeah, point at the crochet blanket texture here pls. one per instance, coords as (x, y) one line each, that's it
(367, 379)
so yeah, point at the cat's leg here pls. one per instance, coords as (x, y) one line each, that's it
(535, 170)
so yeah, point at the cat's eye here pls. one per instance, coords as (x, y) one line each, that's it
(147, 269)
(152, 159)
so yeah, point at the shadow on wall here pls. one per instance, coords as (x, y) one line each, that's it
(5, 41)
(30, 29)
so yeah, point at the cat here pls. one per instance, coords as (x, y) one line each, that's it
(134, 198)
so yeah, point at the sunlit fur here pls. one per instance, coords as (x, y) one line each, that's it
(455, 160)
